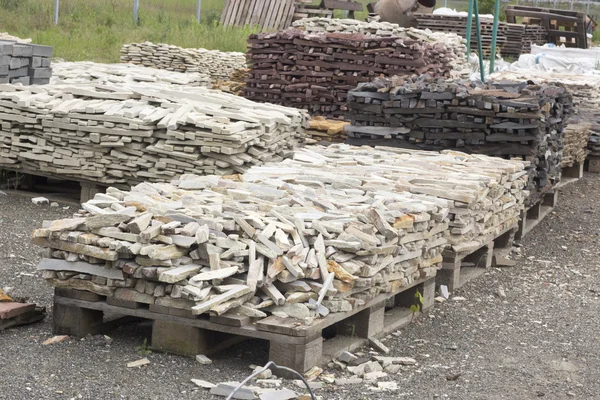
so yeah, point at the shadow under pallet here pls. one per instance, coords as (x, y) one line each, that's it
(292, 343)
(571, 174)
(532, 216)
(67, 187)
(459, 268)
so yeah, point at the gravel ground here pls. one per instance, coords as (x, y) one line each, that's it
(540, 341)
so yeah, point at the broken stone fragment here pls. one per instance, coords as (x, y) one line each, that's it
(339, 272)
(203, 360)
(298, 311)
(138, 363)
(347, 357)
(140, 223)
(203, 384)
(55, 340)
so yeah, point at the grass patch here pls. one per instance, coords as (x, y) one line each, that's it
(96, 29)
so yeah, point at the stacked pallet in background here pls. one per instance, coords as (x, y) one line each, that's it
(128, 133)
(451, 41)
(293, 239)
(217, 64)
(24, 63)
(534, 35)
(106, 74)
(563, 27)
(265, 14)
(315, 71)
(577, 136)
(585, 90)
(509, 119)
(306, 9)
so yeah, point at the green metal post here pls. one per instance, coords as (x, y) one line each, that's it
(469, 23)
(494, 36)
(479, 46)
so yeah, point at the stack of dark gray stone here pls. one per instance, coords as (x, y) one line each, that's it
(509, 119)
(28, 64)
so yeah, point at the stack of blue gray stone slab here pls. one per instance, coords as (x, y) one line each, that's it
(28, 64)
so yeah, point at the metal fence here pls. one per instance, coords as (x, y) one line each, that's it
(136, 10)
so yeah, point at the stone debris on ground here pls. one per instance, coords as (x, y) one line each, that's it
(202, 359)
(40, 201)
(16, 313)
(139, 363)
(289, 239)
(129, 133)
(315, 71)
(55, 340)
(219, 65)
(511, 119)
(110, 74)
(24, 63)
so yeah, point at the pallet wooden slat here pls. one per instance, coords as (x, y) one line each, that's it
(267, 14)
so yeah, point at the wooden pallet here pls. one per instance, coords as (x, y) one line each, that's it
(562, 26)
(292, 343)
(571, 174)
(88, 189)
(532, 216)
(459, 268)
(267, 14)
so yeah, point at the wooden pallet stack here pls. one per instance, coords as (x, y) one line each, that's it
(266, 14)
(508, 42)
(108, 74)
(24, 63)
(217, 64)
(128, 133)
(509, 119)
(563, 27)
(315, 71)
(306, 9)
(534, 35)
(325, 8)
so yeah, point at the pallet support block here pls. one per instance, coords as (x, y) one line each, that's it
(575, 171)
(89, 190)
(453, 272)
(185, 340)
(428, 293)
(365, 324)
(593, 164)
(76, 321)
(299, 357)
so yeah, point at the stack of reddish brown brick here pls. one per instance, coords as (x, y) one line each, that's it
(316, 71)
